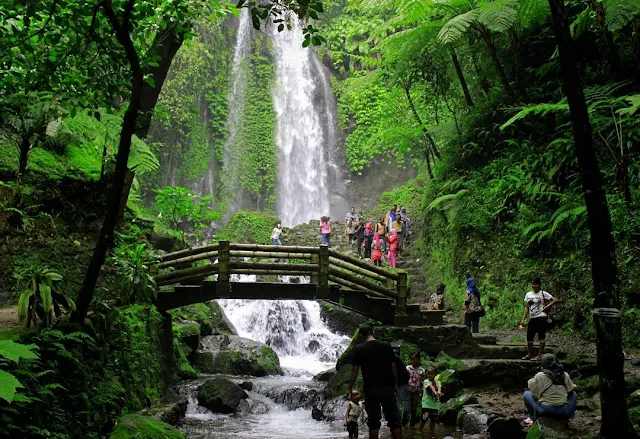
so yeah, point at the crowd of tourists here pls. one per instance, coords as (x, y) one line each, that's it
(411, 395)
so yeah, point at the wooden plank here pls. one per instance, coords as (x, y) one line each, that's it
(378, 308)
(363, 264)
(294, 268)
(362, 282)
(203, 269)
(189, 259)
(276, 248)
(187, 252)
(270, 272)
(262, 254)
(362, 271)
(355, 287)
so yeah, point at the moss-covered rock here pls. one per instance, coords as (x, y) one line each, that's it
(170, 410)
(449, 411)
(188, 333)
(221, 395)
(143, 427)
(340, 319)
(209, 316)
(233, 355)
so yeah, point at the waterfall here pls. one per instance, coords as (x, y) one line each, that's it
(237, 102)
(305, 129)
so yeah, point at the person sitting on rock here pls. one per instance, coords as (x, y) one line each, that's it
(551, 392)
(354, 410)
(436, 301)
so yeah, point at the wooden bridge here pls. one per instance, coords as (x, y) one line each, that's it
(205, 273)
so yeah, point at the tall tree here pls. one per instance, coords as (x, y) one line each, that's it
(615, 420)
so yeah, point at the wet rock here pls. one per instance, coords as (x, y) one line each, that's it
(449, 410)
(189, 333)
(233, 355)
(337, 384)
(221, 395)
(246, 385)
(313, 346)
(317, 414)
(325, 376)
(512, 375)
(136, 426)
(506, 428)
(253, 407)
(209, 316)
(164, 242)
(334, 408)
(339, 319)
(474, 419)
(170, 410)
(297, 397)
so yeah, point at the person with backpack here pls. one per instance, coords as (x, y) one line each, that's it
(473, 309)
(537, 305)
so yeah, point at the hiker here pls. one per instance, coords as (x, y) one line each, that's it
(381, 230)
(360, 237)
(473, 309)
(325, 231)
(275, 234)
(390, 217)
(393, 248)
(351, 225)
(403, 402)
(536, 309)
(376, 250)
(436, 301)
(431, 401)
(368, 239)
(354, 410)
(380, 382)
(398, 227)
(406, 222)
(416, 380)
(551, 392)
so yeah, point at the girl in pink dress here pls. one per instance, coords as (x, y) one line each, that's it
(376, 250)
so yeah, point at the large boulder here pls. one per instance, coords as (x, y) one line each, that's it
(454, 340)
(506, 428)
(475, 419)
(188, 332)
(221, 395)
(340, 319)
(170, 410)
(209, 315)
(325, 376)
(233, 355)
(511, 374)
(449, 410)
(143, 427)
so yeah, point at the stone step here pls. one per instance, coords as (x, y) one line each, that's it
(485, 339)
(504, 352)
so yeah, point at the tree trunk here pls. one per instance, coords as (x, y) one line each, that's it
(25, 146)
(612, 50)
(615, 421)
(517, 63)
(488, 39)
(425, 133)
(461, 78)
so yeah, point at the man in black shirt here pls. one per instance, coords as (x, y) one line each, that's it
(380, 377)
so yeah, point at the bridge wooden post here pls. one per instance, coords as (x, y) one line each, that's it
(224, 258)
(315, 259)
(323, 274)
(401, 317)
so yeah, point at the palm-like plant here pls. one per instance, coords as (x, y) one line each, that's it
(40, 298)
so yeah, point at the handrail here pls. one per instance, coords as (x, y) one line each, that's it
(369, 285)
(269, 254)
(366, 265)
(187, 252)
(313, 268)
(275, 248)
(355, 269)
(189, 259)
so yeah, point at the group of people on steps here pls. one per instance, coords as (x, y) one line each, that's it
(412, 394)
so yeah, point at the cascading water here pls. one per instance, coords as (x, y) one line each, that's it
(306, 130)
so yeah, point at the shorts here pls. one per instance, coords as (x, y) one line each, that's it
(430, 414)
(381, 397)
(537, 326)
(352, 428)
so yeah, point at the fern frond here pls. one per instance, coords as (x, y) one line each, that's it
(498, 15)
(447, 198)
(532, 227)
(619, 13)
(532, 13)
(540, 110)
(455, 28)
(583, 22)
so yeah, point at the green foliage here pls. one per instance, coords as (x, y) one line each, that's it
(40, 297)
(133, 279)
(143, 427)
(12, 351)
(178, 205)
(245, 226)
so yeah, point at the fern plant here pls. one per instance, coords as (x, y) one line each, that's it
(13, 352)
(40, 299)
(133, 274)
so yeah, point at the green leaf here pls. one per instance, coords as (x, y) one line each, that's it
(8, 386)
(453, 29)
(15, 351)
(23, 304)
(45, 296)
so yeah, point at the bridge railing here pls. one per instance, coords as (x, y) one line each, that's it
(324, 265)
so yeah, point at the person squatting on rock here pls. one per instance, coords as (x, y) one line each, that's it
(351, 221)
(275, 234)
(354, 410)
(376, 359)
(416, 381)
(392, 239)
(473, 309)
(431, 401)
(436, 301)
(325, 230)
(551, 392)
(536, 307)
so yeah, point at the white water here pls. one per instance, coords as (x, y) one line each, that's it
(303, 184)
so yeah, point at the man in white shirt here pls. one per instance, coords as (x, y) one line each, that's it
(538, 303)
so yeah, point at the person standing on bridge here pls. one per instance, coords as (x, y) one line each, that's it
(380, 381)
(325, 230)
(275, 234)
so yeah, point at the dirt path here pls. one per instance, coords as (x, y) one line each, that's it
(9, 318)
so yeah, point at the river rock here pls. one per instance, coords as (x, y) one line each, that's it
(455, 340)
(171, 409)
(253, 407)
(512, 375)
(475, 419)
(189, 333)
(144, 427)
(340, 319)
(209, 315)
(246, 385)
(325, 376)
(317, 414)
(233, 355)
(221, 395)
(506, 428)
(449, 410)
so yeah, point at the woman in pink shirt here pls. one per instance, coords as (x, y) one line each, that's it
(325, 230)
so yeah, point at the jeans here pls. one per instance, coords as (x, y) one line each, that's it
(537, 410)
(473, 323)
(414, 416)
(276, 241)
(359, 242)
(326, 239)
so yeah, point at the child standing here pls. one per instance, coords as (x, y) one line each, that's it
(325, 230)
(431, 401)
(354, 410)
(393, 248)
(416, 380)
(376, 250)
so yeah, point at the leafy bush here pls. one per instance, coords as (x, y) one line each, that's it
(245, 226)
(133, 280)
(40, 298)
(179, 206)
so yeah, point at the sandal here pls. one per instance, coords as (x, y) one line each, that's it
(528, 422)
(527, 357)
